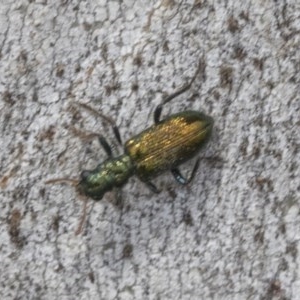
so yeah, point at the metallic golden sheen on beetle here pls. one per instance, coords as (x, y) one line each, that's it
(162, 147)
(168, 144)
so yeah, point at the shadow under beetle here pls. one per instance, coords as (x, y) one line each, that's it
(159, 148)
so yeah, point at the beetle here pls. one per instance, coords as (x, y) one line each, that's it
(162, 147)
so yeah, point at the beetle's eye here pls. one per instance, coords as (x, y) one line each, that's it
(84, 174)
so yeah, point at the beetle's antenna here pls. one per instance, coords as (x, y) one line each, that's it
(85, 135)
(83, 218)
(97, 113)
(73, 182)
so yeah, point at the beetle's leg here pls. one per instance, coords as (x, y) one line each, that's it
(103, 142)
(117, 134)
(91, 135)
(106, 118)
(179, 177)
(118, 197)
(169, 98)
(152, 187)
(157, 113)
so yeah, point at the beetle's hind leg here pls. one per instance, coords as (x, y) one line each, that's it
(180, 178)
(186, 87)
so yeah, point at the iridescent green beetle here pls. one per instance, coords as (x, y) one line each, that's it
(162, 147)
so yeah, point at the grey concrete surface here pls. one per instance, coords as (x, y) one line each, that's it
(233, 233)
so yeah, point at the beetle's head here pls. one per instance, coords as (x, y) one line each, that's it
(113, 172)
(93, 183)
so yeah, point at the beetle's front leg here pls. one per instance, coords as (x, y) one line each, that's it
(90, 135)
(107, 118)
(105, 145)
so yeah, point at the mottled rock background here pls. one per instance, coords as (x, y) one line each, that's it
(233, 233)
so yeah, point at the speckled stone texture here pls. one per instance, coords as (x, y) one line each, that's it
(233, 233)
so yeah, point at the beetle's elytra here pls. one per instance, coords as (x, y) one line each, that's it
(159, 148)
(169, 143)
